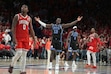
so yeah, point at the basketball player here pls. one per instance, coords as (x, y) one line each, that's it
(57, 31)
(92, 43)
(72, 41)
(21, 26)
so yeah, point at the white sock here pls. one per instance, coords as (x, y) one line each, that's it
(16, 57)
(50, 63)
(65, 61)
(88, 57)
(94, 58)
(57, 59)
(74, 62)
(23, 61)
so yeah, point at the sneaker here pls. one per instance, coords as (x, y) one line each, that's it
(73, 69)
(50, 72)
(23, 73)
(66, 64)
(50, 66)
(56, 71)
(74, 65)
(87, 66)
(104, 63)
(57, 66)
(94, 67)
(66, 68)
(10, 70)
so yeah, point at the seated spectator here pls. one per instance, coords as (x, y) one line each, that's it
(5, 50)
(1, 35)
(6, 37)
(36, 56)
(2, 46)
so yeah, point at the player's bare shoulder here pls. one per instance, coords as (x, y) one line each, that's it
(16, 16)
(96, 35)
(29, 19)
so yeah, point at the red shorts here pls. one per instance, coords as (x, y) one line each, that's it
(23, 43)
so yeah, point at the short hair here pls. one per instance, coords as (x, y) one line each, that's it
(24, 5)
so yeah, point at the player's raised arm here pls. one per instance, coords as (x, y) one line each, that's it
(72, 23)
(42, 23)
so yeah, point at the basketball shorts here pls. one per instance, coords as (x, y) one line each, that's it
(74, 45)
(57, 44)
(23, 43)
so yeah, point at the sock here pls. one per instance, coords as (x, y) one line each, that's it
(65, 61)
(94, 58)
(23, 61)
(50, 63)
(57, 59)
(88, 57)
(16, 57)
(74, 62)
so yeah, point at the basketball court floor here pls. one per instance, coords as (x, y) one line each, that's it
(40, 67)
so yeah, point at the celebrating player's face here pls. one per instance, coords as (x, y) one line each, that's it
(92, 30)
(24, 8)
(58, 21)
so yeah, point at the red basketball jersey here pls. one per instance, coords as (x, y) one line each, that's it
(22, 27)
(92, 45)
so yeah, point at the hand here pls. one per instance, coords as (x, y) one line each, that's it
(15, 41)
(79, 18)
(36, 18)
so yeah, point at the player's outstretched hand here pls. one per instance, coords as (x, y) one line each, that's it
(37, 19)
(79, 18)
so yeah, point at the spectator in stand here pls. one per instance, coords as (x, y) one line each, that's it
(83, 47)
(6, 37)
(40, 48)
(43, 54)
(5, 50)
(110, 41)
(36, 49)
(2, 46)
(48, 49)
(29, 53)
(1, 36)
